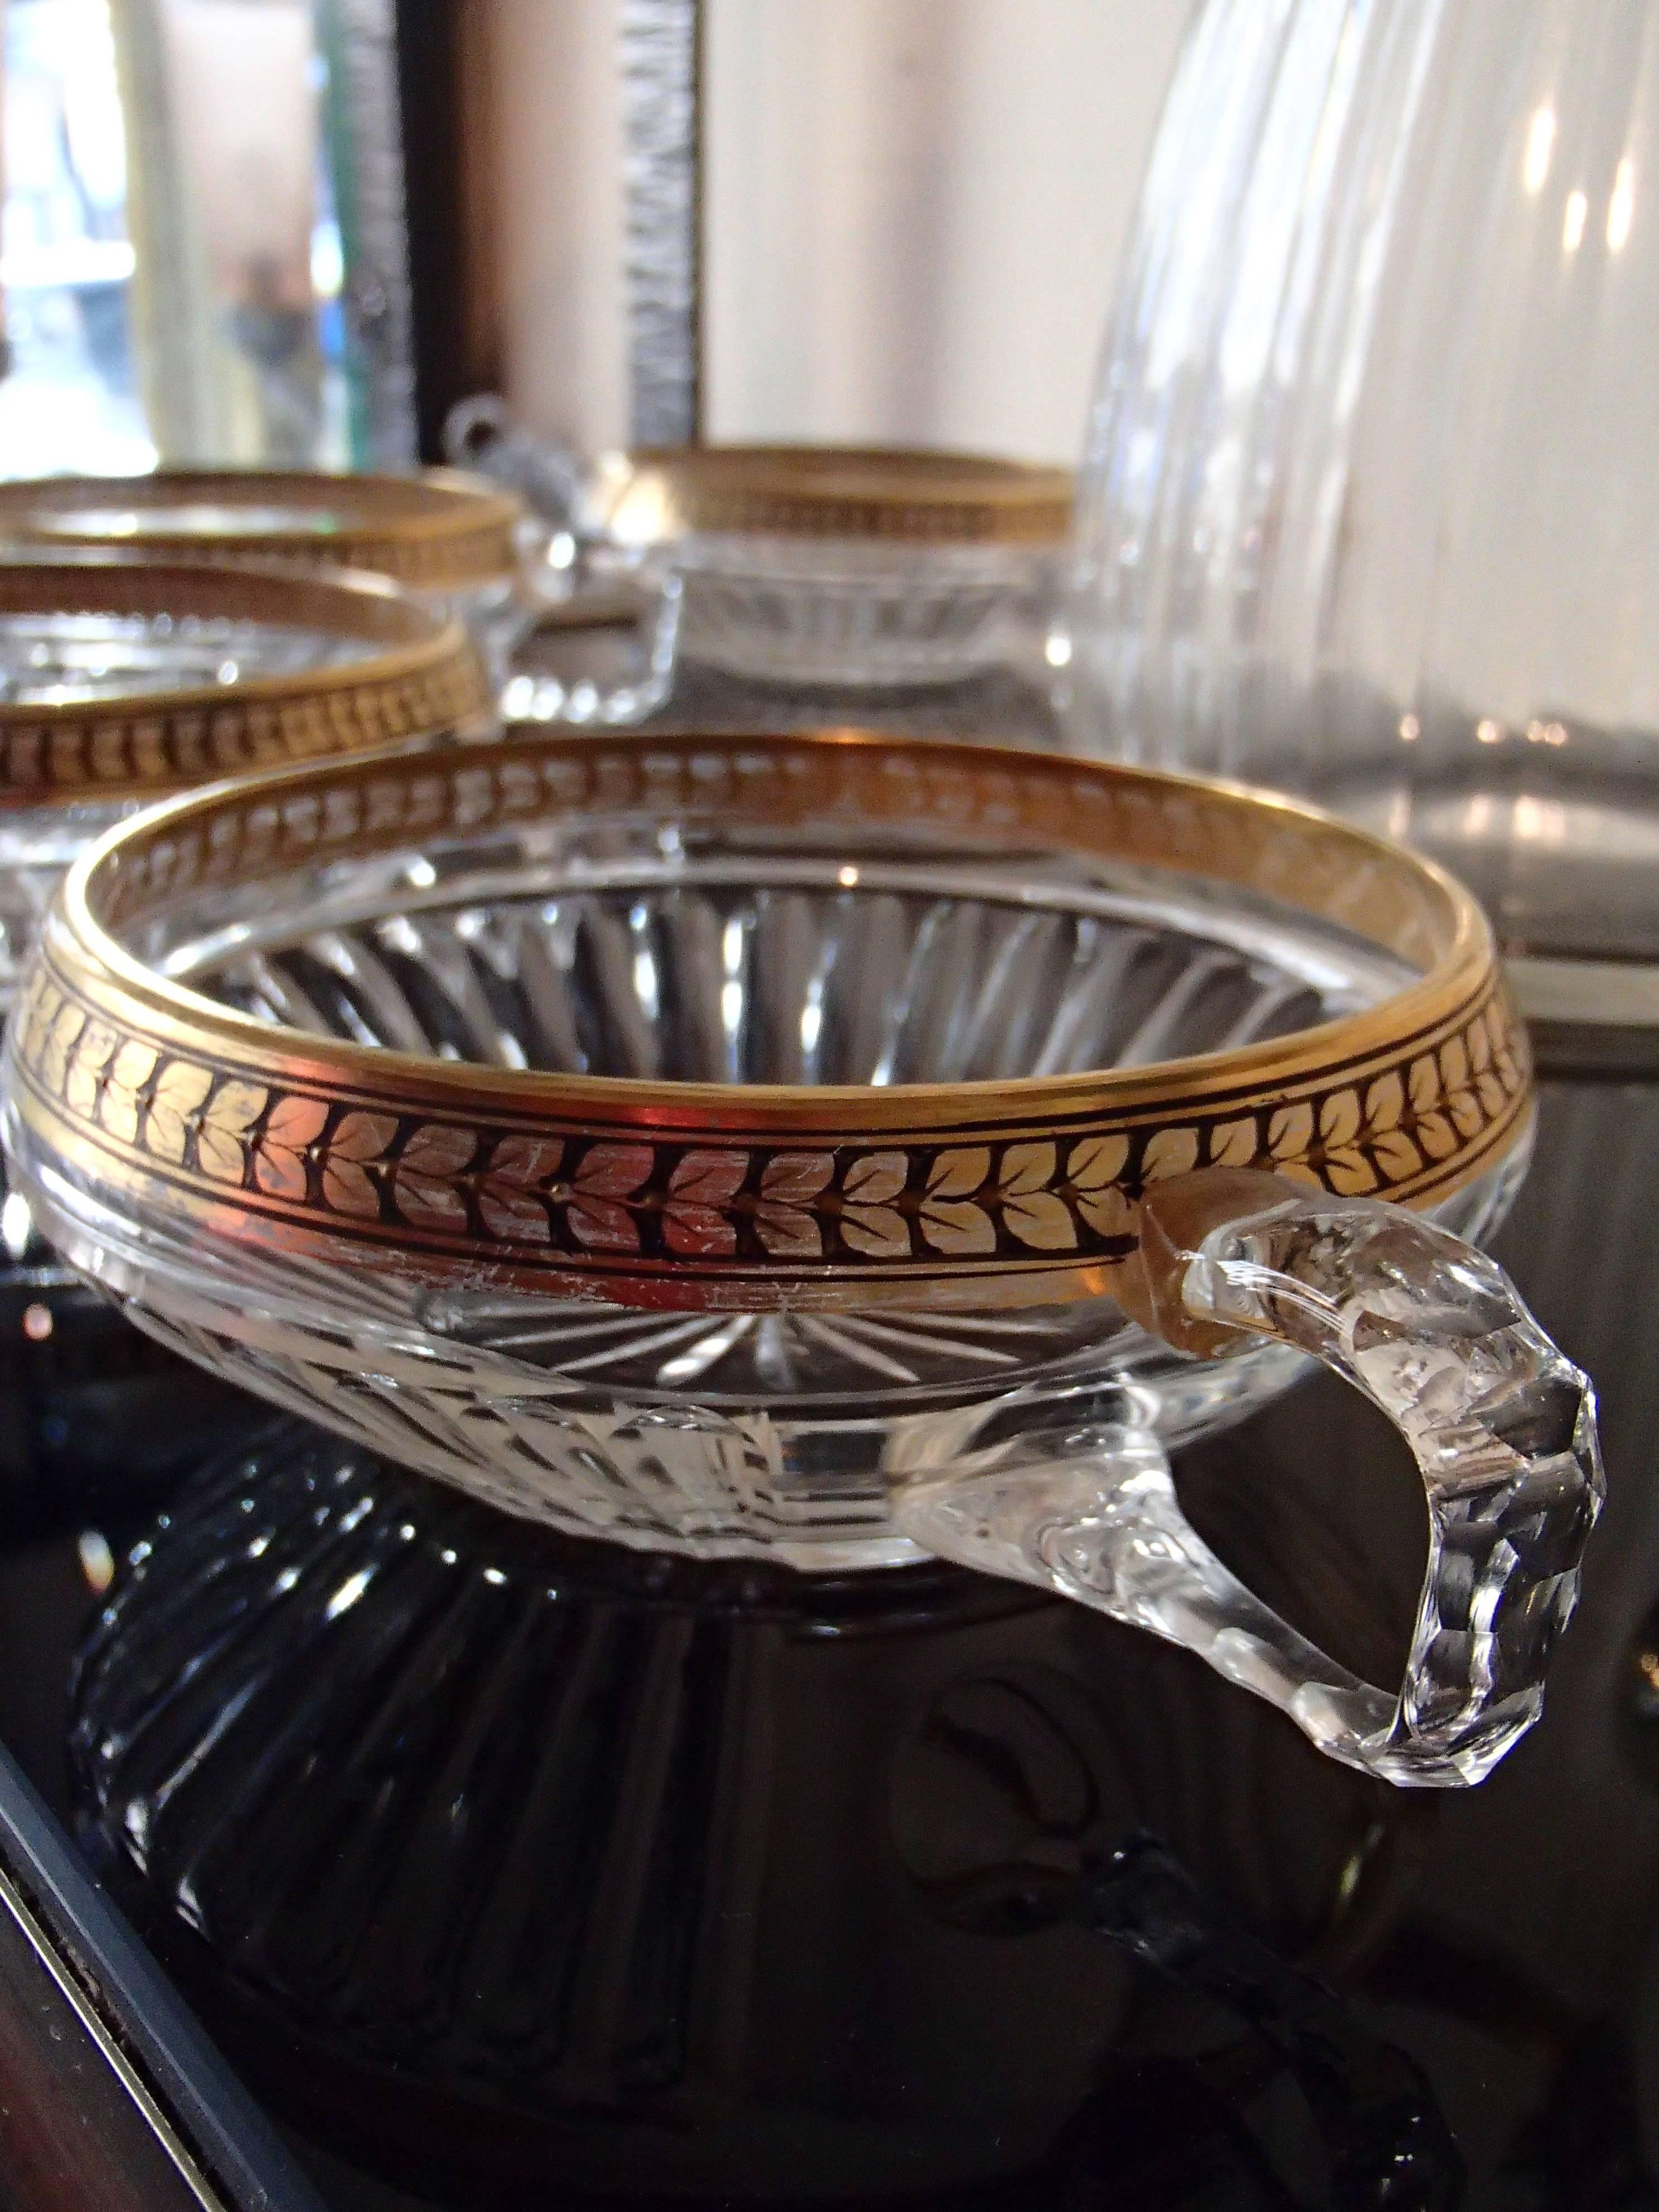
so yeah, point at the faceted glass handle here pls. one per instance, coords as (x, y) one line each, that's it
(593, 585)
(1502, 1427)
(623, 593)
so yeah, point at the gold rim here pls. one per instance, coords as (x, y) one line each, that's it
(826, 491)
(746, 1196)
(439, 531)
(414, 675)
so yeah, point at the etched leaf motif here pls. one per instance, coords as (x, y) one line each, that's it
(1424, 1084)
(1108, 1212)
(790, 1182)
(426, 1181)
(959, 1174)
(510, 1190)
(1464, 1110)
(1169, 1152)
(178, 1090)
(1290, 1135)
(92, 1056)
(1027, 1168)
(230, 1113)
(873, 1178)
(1338, 1120)
(879, 1232)
(357, 1139)
(957, 1227)
(39, 1014)
(281, 1148)
(1397, 1156)
(1233, 1143)
(1092, 1169)
(1096, 1162)
(1490, 1093)
(948, 1221)
(1037, 1216)
(605, 1175)
(1385, 1102)
(1488, 1084)
(702, 1184)
(129, 1072)
(868, 1223)
(1041, 1220)
(1488, 1090)
(1454, 1063)
(1349, 1171)
(1289, 1131)
(1436, 1134)
(67, 1025)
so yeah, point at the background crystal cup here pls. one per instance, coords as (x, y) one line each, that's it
(466, 548)
(124, 678)
(843, 568)
(763, 1146)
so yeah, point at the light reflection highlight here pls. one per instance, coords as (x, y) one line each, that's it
(1540, 147)
(16, 1223)
(1621, 207)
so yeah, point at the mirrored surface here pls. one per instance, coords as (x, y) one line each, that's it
(512, 1865)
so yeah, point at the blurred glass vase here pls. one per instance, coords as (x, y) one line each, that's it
(1371, 502)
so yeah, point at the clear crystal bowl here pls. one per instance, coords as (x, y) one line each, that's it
(125, 678)
(455, 542)
(830, 1148)
(828, 610)
(809, 565)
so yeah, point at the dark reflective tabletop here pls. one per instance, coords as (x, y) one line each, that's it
(513, 1871)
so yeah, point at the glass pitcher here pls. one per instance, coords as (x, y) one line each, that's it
(1370, 502)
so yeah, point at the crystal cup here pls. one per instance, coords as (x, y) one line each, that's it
(812, 565)
(466, 548)
(831, 1149)
(123, 678)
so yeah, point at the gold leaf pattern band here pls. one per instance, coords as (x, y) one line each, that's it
(408, 674)
(435, 531)
(873, 494)
(740, 1196)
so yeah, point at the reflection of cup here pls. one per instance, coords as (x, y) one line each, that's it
(494, 1855)
(750, 1230)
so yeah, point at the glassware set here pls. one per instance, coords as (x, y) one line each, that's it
(831, 1150)
(826, 1149)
